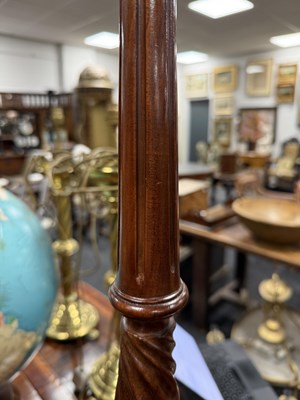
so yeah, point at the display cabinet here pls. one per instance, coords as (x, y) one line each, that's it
(25, 124)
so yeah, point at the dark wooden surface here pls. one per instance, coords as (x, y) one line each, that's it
(229, 234)
(49, 376)
(233, 234)
(148, 290)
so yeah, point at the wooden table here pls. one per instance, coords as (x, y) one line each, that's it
(229, 234)
(253, 159)
(49, 376)
(193, 170)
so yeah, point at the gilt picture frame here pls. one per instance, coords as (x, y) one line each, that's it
(223, 105)
(196, 86)
(222, 131)
(287, 74)
(259, 78)
(285, 93)
(263, 120)
(225, 78)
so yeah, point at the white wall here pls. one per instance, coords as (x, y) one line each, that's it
(27, 66)
(286, 113)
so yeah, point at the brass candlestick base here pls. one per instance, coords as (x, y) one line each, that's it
(72, 318)
(272, 331)
(104, 376)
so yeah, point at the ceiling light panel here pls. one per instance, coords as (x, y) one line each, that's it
(105, 40)
(191, 57)
(220, 8)
(290, 40)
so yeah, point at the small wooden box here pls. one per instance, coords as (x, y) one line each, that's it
(193, 195)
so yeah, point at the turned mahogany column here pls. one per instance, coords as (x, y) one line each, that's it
(148, 290)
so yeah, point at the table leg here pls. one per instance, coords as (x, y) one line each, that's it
(240, 269)
(200, 282)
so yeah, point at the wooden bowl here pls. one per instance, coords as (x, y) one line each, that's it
(269, 219)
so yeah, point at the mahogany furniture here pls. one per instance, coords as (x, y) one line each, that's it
(253, 159)
(228, 234)
(148, 290)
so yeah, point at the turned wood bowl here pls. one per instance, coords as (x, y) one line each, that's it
(271, 220)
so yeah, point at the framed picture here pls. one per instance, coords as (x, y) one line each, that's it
(285, 93)
(287, 74)
(257, 125)
(196, 86)
(225, 79)
(259, 77)
(222, 131)
(223, 105)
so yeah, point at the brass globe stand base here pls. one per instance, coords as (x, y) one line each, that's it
(104, 376)
(72, 318)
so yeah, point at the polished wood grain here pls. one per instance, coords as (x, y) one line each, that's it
(228, 234)
(237, 236)
(49, 376)
(148, 290)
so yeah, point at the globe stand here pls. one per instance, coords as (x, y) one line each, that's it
(72, 318)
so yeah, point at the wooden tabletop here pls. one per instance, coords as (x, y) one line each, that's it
(235, 235)
(193, 170)
(49, 376)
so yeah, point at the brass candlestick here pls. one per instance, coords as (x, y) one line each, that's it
(275, 293)
(270, 336)
(103, 378)
(72, 317)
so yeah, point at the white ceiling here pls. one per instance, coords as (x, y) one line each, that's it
(69, 21)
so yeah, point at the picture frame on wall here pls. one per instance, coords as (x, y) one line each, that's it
(285, 93)
(196, 86)
(287, 74)
(223, 105)
(225, 78)
(257, 126)
(222, 131)
(259, 78)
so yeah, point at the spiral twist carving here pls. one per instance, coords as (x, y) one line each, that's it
(148, 344)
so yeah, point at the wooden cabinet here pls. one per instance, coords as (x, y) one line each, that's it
(24, 119)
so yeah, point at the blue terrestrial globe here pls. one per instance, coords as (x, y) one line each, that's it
(28, 284)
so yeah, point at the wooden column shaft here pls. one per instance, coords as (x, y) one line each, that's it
(148, 290)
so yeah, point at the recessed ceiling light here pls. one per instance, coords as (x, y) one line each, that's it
(191, 57)
(106, 40)
(220, 8)
(289, 40)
